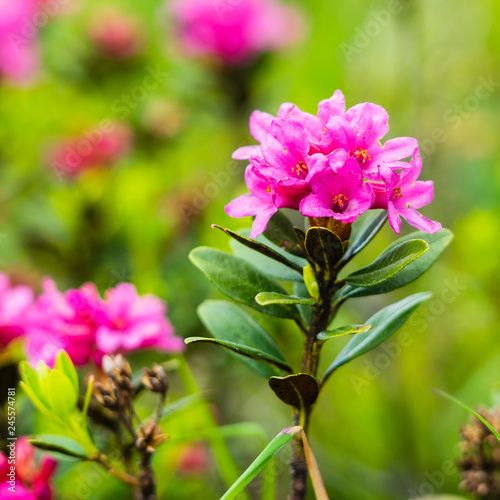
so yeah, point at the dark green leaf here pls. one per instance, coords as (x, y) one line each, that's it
(243, 350)
(343, 330)
(363, 232)
(268, 298)
(437, 244)
(268, 266)
(261, 248)
(239, 280)
(384, 324)
(281, 232)
(299, 390)
(324, 247)
(59, 444)
(227, 321)
(301, 236)
(260, 462)
(300, 290)
(390, 263)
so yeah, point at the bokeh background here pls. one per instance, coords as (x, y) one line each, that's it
(378, 432)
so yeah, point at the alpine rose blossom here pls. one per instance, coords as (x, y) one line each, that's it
(32, 479)
(234, 32)
(129, 321)
(87, 327)
(15, 302)
(63, 321)
(332, 164)
(19, 54)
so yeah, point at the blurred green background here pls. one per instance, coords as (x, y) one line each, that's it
(378, 432)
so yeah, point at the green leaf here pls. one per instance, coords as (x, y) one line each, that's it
(65, 365)
(88, 396)
(260, 248)
(300, 290)
(299, 390)
(363, 232)
(239, 280)
(32, 386)
(260, 462)
(470, 410)
(59, 444)
(324, 247)
(268, 298)
(343, 330)
(59, 390)
(281, 232)
(388, 264)
(265, 264)
(243, 350)
(437, 244)
(227, 321)
(384, 323)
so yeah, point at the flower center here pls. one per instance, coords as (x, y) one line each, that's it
(340, 203)
(300, 170)
(361, 155)
(396, 193)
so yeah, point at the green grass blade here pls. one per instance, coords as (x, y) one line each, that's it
(439, 392)
(260, 462)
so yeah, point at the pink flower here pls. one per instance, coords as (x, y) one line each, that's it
(359, 132)
(87, 327)
(401, 194)
(338, 190)
(129, 322)
(63, 321)
(331, 164)
(116, 34)
(15, 302)
(259, 203)
(19, 57)
(234, 32)
(98, 147)
(32, 480)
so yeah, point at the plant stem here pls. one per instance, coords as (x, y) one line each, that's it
(321, 317)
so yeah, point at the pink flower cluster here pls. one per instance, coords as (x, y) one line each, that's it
(331, 165)
(31, 482)
(19, 57)
(234, 32)
(97, 147)
(83, 324)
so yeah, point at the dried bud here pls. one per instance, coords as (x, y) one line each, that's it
(155, 379)
(480, 460)
(106, 395)
(150, 436)
(119, 371)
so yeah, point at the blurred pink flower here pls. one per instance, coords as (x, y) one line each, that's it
(63, 321)
(235, 32)
(19, 57)
(98, 147)
(15, 302)
(116, 34)
(194, 460)
(32, 480)
(331, 165)
(129, 322)
(88, 327)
